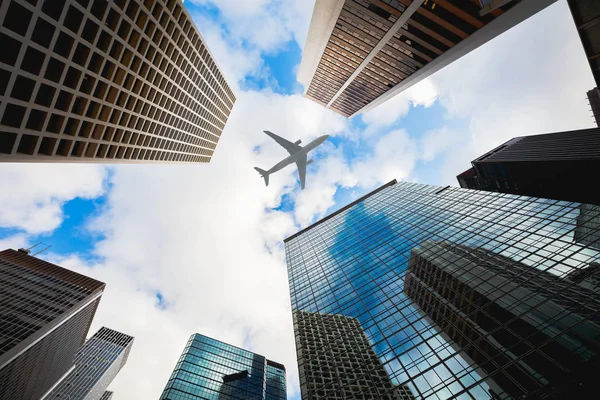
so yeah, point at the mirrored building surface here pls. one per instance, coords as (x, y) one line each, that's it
(210, 369)
(458, 293)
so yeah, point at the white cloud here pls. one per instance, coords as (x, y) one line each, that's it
(34, 194)
(532, 79)
(14, 242)
(207, 239)
(423, 94)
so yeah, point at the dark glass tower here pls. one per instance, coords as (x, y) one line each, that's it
(45, 315)
(97, 363)
(107, 81)
(210, 369)
(555, 166)
(519, 320)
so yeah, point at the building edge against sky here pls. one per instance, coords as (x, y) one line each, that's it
(354, 264)
(93, 81)
(209, 368)
(45, 314)
(96, 365)
(398, 46)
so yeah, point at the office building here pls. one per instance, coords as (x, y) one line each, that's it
(212, 369)
(504, 315)
(586, 15)
(324, 339)
(110, 82)
(354, 263)
(96, 364)
(360, 53)
(45, 315)
(555, 166)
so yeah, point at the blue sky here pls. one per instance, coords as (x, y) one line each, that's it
(198, 248)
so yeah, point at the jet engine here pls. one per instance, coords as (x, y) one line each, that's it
(298, 141)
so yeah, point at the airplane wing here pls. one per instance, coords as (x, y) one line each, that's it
(301, 164)
(286, 144)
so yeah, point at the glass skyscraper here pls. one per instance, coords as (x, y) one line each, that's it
(210, 369)
(97, 363)
(458, 293)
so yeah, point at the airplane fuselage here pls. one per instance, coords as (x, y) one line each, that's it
(299, 155)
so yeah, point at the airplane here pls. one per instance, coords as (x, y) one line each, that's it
(298, 155)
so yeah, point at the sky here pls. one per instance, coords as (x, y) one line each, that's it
(198, 248)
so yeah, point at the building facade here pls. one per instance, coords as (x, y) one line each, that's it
(503, 316)
(354, 264)
(322, 340)
(554, 166)
(360, 53)
(100, 81)
(97, 363)
(45, 315)
(212, 369)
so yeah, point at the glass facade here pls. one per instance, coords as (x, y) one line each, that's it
(457, 293)
(97, 363)
(210, 369)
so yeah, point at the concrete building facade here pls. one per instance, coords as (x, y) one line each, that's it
(111, 82)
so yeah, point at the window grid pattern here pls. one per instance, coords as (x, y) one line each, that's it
(421, 268)
(35, 297)
(434, 28)
(210, 369)
(129, 80)
(97, 363)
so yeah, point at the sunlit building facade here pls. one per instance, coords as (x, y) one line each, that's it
(45, 314)
(123, 81)
(96, 364)
(360, 53)
(380, 262)
(210, 369)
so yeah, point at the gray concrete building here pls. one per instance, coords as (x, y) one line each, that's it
(45, 315)
(110, 82)
(360, 53)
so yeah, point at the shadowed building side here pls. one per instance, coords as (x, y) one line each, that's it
(45, 315)
(556, 166)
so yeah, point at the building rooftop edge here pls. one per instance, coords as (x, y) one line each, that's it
(241, 348)
(333, 214)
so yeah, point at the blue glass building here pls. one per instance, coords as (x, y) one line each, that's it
(210, 369)
(458, 293)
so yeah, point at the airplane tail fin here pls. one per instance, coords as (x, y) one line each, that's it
(264, 174)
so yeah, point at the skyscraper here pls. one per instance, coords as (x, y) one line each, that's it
(593, 96)
(212, 369)
(97, 363)
(324, 339)
(354, 263)
(360, 53)
(554, 166)
(100, 81)
(45, 315)
(503, 315)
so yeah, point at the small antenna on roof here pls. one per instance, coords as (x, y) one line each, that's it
(44, 249)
